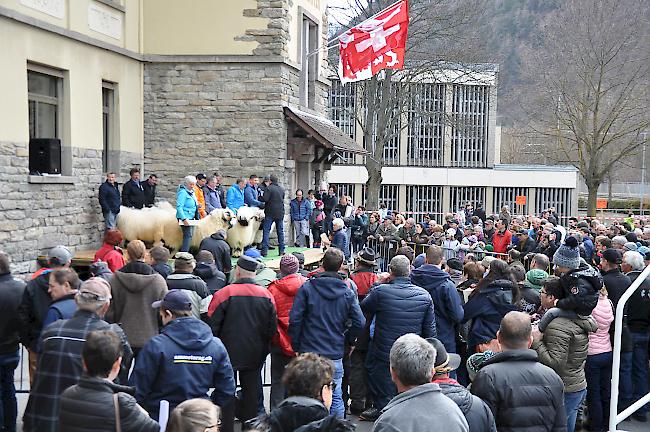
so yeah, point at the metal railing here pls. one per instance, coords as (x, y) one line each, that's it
(614, 417)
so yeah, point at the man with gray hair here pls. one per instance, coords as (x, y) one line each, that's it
(398, 307)
(540, 261)
(59, 358)
(420, 404)
(618, 242)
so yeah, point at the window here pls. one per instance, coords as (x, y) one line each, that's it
(461, 195)
(508, 196)
(108, 133)
(469, 137)
(388, 194)
(426, 127)
(422, 200)
(309, 60)
(44, 92)
(559, 198)
(342, 114)
(346, 189)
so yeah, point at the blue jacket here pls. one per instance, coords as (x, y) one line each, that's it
(398, 307)
(250, 196)
(589, 248)
(60, 309)
(447, 301)
(183, 362)
(323, 310)
(340, 240)
(212, 200)
(109, 198)
(186, 205)
(235, 198)
(300, 210)
(486, 309)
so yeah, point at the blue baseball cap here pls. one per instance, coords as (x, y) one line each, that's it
(253, 253)
(177, 300)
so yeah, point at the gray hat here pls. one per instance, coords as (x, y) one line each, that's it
(568, 254)
(59, 255)
(629, 246)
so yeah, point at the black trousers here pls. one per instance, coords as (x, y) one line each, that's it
(358, 386)
(249, 381)
(278, 362)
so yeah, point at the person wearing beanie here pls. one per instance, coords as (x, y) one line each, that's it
(283, 291)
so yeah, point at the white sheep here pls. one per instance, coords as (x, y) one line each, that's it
(245, 228)
(218, 219)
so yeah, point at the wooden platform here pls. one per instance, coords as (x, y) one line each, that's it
(312, 259)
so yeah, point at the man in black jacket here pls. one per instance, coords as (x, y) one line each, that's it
(11, 294)
(109, 200)
(132, 191)
(479, 212)
(523, 394)
(89, 405)
(220, 249)
(615, 282)
(273, 200)
(149, 189)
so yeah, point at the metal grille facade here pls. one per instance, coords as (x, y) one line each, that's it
(346, 189)
(469, 137)
(342, 113)
(508, 196)
(426, 126)
(461, 195)
(389, 194)
(560, 198)
(424, 199)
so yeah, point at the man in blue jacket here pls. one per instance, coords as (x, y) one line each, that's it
(251, 192)
(183, 362)
(325, 311)
(300, 213)
(235, 195)
(397, 308)
(109, 200)
(447, 301)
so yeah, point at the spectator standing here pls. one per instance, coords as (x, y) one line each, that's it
(211, 195)
(525, 244)
(273, 200)
(448, 305)
(359, 229)
(300, 215)
(183, 279)
(63, 287)
(615, 281)
(220, 249)
(243, 316)
(325, 311)
(132, 191)
(183, 362)
(480, 212)
(109, 200)
(220, 189)
(522, 393)
(365, 274)
(187, 210)
(110, 252)
(530, 300)
(317, 223)
(149, 189)
(489, 230)
(397, 308)
(96, 403)
(133, 289)
(36, 301)
(419, 402)
(235, 195)
(541, 262)
(59, 360)
(283, 291)
(194, 415)
(340, 238)
(159, 256)
(329, 200)
(201, 180)
(11, 295)
(252, 193)
(207, 270)
(502, 237)
(406, 233)
(387, 231)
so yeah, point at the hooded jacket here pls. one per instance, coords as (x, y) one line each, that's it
(196, 288)
(289, 415)
(11, 294)
(33, 308)
(477, 413)
(220, 250)
(398, 307)
(284, 291)
(210, 274)
(131, 308)
(603, 314)
(486, 309)
(563, 348)
(446, 301)
(523, 394)
(186, 204)
(580, 288)
(324, 309)
(183, 362)
(111, 255)
(243, 316)
(89, 406)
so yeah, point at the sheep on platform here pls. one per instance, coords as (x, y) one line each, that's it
(244, 231)
(218, 219)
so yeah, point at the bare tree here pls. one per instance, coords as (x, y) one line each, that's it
(590, 73)
(440, 32)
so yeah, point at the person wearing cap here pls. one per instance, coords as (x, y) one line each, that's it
(529, 291)
(454, 267)
(300, 211)
(243, 316)
(477, 413)
(59, 359)
(183, 279)
(187, 209)
(325, 312)
(263, 275)
(448, 305)
(183, 362)
(132, 191)
(208, 272)
(301, 262)
(420, 405)
(252, 192)
(397, 307)
(365, 273)
(284, 291)
(109, 200)
(387, 231)
(489, 230)
(522, 393)
(525, 245)
(235, 195)
(211, 195)
(201, 180)
(36, 301)
(273, 200)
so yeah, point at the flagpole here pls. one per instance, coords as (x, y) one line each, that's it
(327, 48)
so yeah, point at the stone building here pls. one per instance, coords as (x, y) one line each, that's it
(174, 88)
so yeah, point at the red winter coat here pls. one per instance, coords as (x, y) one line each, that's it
(364, 280)
(284, 291)
(110, 255)
(501, 241)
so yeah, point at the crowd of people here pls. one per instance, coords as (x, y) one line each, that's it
(517, 339)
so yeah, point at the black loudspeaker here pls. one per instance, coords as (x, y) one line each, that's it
(44, 156)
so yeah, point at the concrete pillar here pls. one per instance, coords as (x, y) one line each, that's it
(401, 196)
(489, 199)
(446, 153)
(446, 200)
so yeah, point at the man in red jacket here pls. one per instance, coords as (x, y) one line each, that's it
(502, 237)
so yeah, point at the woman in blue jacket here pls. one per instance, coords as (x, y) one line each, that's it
(186, 210)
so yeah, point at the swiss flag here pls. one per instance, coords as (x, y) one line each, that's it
(375, 44)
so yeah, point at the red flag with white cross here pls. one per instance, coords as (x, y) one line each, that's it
(375, 44)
